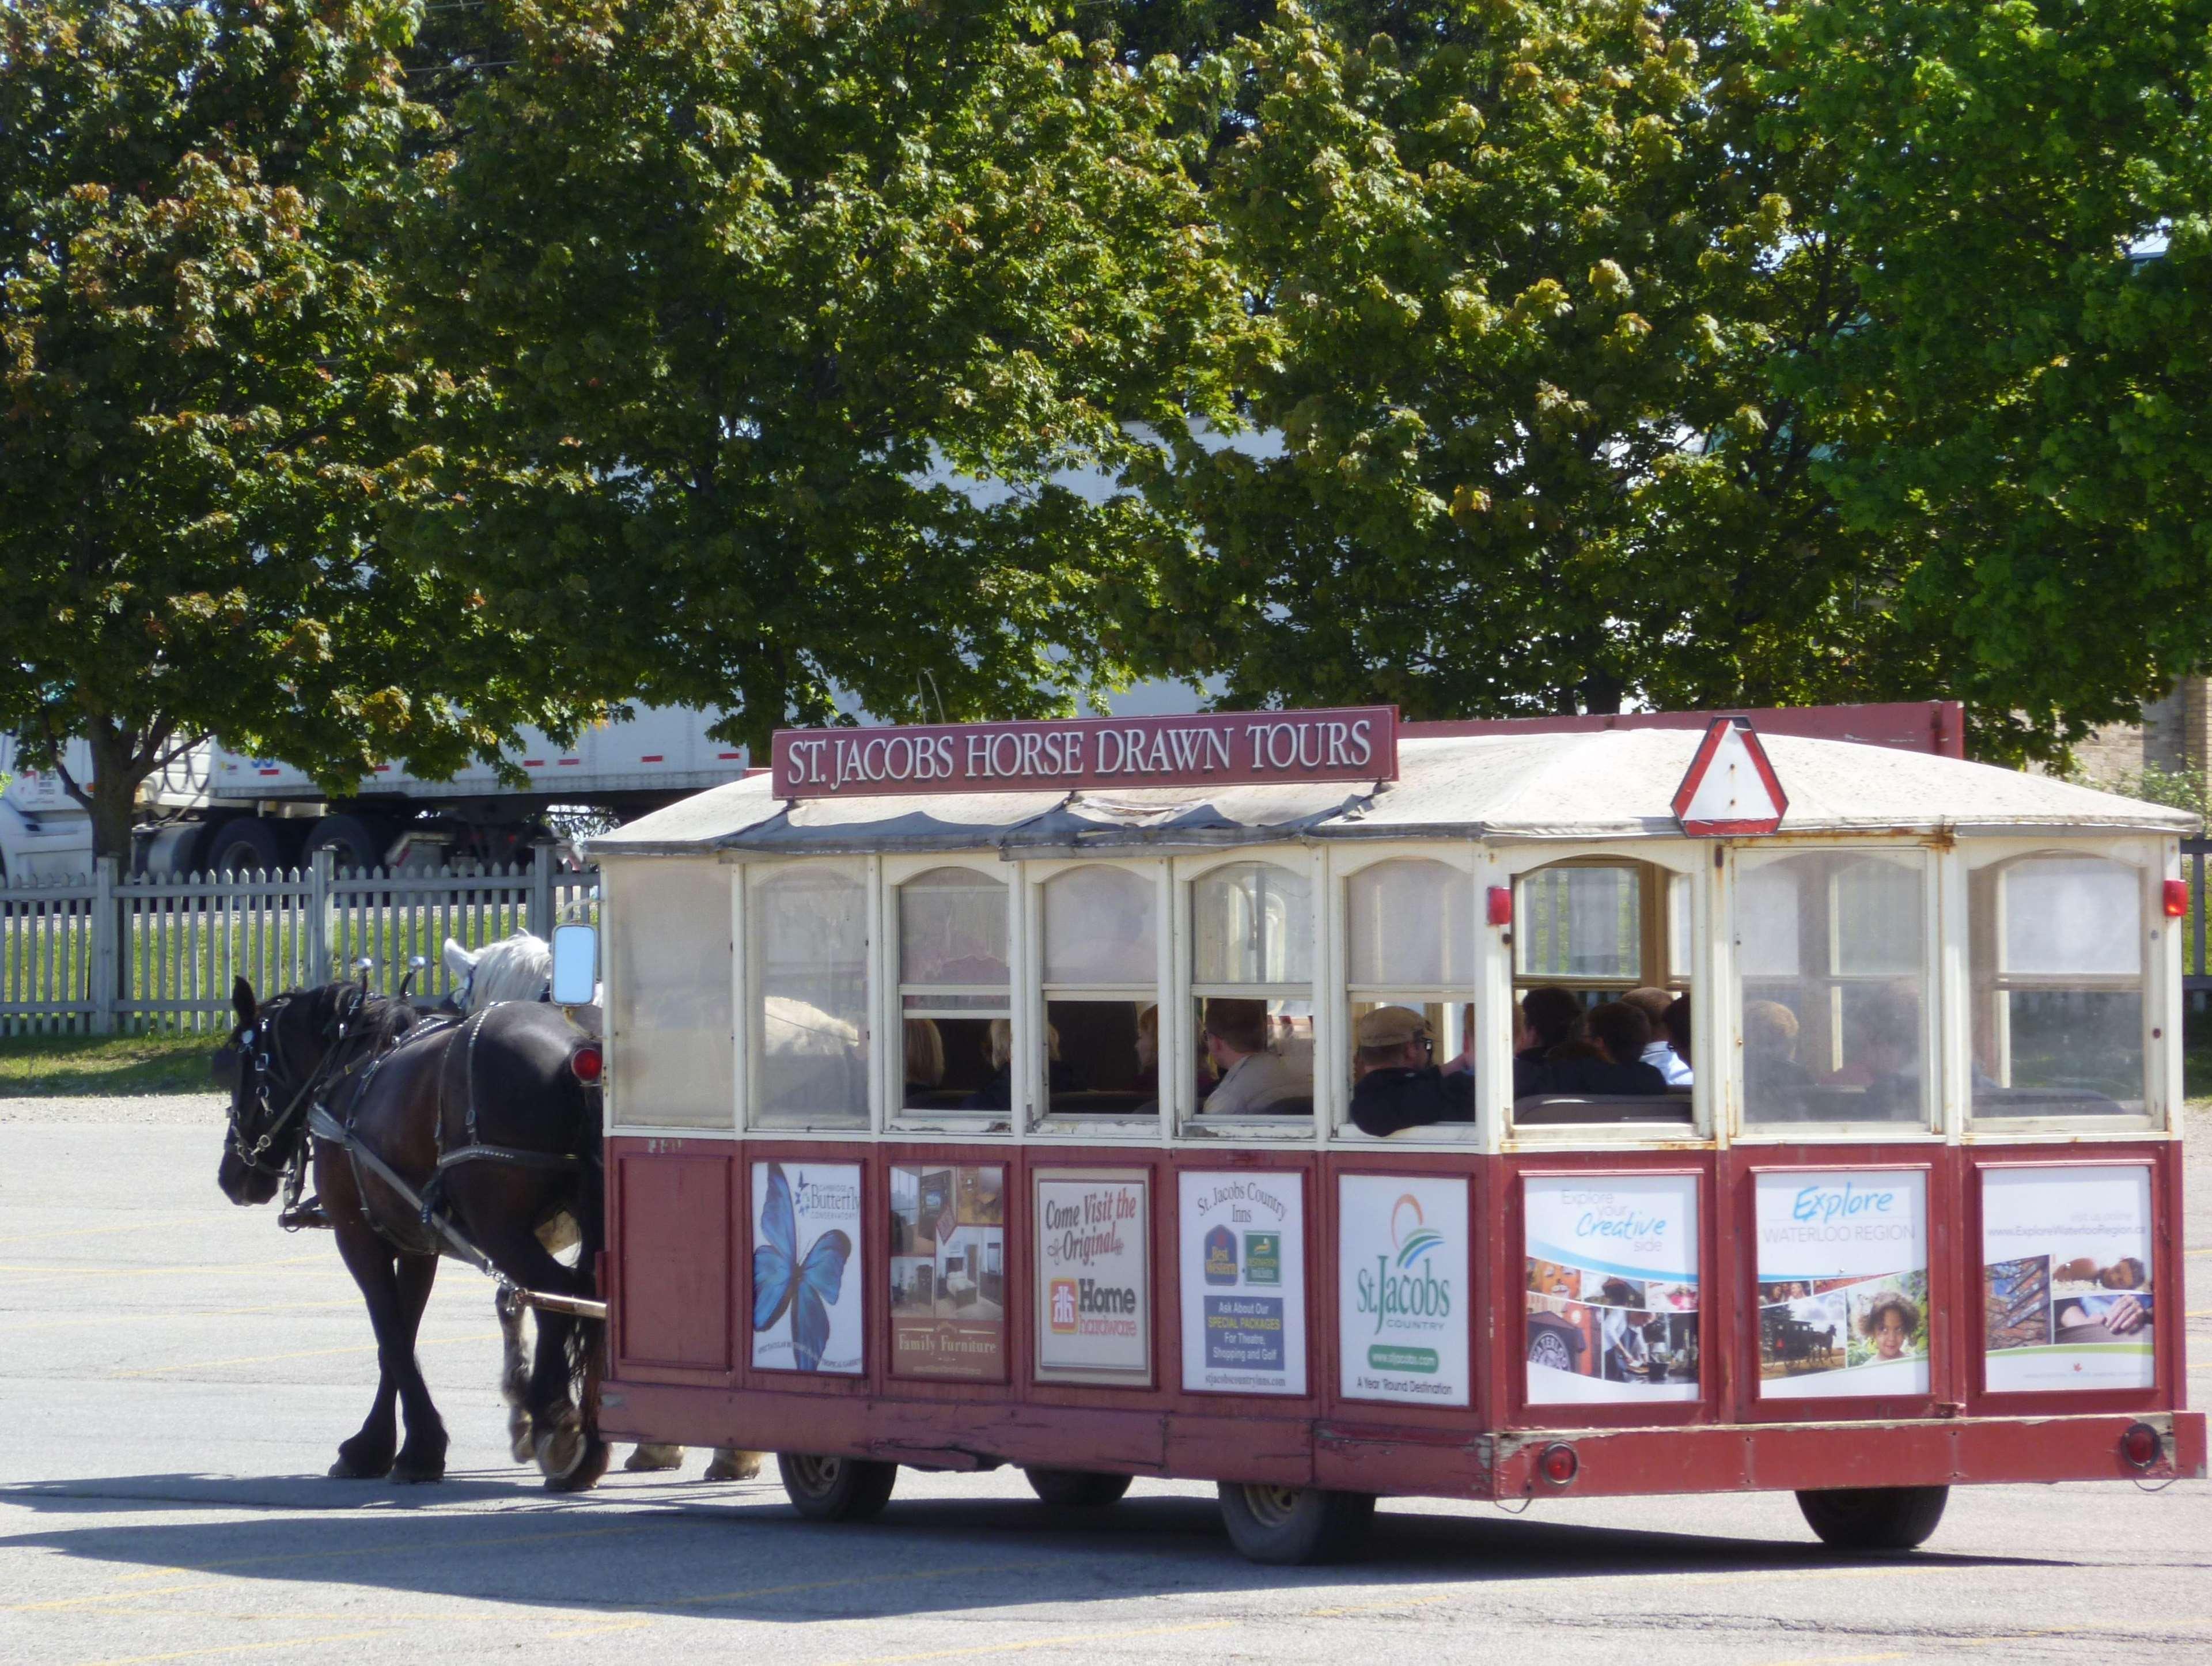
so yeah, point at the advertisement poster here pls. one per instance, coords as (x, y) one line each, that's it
(2066, 1259)
(1402, 1289)
(1094, 1297)
(1613, 1288)
(1242, 1238)
(1843, 1284)
(806, 1266)
(948, 1247)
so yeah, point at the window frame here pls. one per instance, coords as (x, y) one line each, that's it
(1939, 1046)
(751, 874)
(1186, 1128)
(1677, 857)
(613, 1037)
(1034, 1120)
(1332, 1088)
(2155, 860)
(893, 1117)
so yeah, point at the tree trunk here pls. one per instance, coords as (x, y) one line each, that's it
(114, 792)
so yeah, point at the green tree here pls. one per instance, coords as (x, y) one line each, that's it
(729, 289)
(2021, 194)
(1722, 353)
(207, 422)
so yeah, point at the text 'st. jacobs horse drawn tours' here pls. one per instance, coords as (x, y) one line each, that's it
(1330, 1106)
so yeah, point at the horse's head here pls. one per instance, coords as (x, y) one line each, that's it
(267, 1063)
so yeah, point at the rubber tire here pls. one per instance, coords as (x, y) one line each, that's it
(356, 842)
(1294, 1526)
(1077, 1489)
(247, 844)
(836, 1489)
(1875, 1517)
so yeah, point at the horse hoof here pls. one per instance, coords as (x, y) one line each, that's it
(591, 1465)
(521, 1437)
(560, 1448)
(415, 1472)
(730, 1464)
(346, 1469)
(652, 1457)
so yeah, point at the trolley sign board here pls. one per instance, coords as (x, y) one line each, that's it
(807, 1267)
(1404, 1301)
(1843, 1283)
(2066, 1269)
(1243, 1253)
(1214, 749)
(1091, 1230)
(1730, 788)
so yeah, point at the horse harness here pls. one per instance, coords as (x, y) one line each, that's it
(335, 1073)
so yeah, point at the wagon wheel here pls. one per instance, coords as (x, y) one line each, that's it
(1293, 1526)
(1547, 1348)
(836, 1489)
(1875, 1517)
(1078, 1489)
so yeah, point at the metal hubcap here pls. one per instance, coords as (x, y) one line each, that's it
(1272, 1506)
(817, 1474)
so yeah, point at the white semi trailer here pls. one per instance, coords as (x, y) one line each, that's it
(215, 809)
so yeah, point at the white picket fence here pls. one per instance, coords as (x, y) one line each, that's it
(115, 953)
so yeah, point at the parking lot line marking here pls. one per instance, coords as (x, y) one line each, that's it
(140, 1318)
(107, 1596)
(305, 1353)
(412, 1547)
(1993, 1640)
(239, 1648)
(712, 1598)
(1073, 1639)
(39, 1272)
(95, 1232)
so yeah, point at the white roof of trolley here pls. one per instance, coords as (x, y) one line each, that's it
(1609, 784)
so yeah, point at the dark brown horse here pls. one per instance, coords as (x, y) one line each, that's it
(491, 1127)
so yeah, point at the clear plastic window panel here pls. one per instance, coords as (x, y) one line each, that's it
(1100, 929)
(2057, 986)
(1410, 924)
(668, 939)
(1835, 980)
(952, 942)
(810, 982)
(1252, 923)
(1577, 923)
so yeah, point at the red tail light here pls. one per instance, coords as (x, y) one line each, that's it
(1501, 905)
(2176, 899)
(1557, 1463)
(587, 1063)
(2142, 1445)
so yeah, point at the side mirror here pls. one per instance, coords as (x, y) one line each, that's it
(575, 965)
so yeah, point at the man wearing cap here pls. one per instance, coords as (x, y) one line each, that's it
(1394, 1084)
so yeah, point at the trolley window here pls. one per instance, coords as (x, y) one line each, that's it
(1832, 952)
(1409, 927)
(2058, 962)
(1252, 984)
(1601, 951)
(809, 926)
(669, 985)
(953, 994)
(1101, 1040)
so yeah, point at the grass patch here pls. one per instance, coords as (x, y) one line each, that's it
(51, 1066)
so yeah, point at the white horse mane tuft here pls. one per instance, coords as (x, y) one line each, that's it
(517, 968)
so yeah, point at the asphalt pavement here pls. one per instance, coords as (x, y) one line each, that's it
(176, 1373)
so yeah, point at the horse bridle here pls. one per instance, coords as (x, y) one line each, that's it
(262, 1031)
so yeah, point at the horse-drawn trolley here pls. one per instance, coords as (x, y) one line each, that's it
(1330, 1106)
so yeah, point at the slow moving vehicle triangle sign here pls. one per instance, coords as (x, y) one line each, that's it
(1730, 787)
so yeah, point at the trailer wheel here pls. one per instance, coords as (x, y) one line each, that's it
(1077, 1489)
(249, 844)
(1875, 1517)
(1294, 1526)
(356, 842)
(836, 1489)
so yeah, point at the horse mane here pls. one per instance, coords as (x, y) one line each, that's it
(517, 968)
(369, 1016)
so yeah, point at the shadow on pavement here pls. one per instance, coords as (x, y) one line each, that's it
(701, 1548)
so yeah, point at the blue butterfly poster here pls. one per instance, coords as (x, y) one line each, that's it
(806, 1266)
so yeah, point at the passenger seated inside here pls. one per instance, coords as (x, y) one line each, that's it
(1660, 1054)
(1394, 1085)
(998, 1093)
(1676, 1024)
(1772, 1075)
(1463, 1061)
(1607, 1058)
(925, 1062)
(1552, 1017)
(1253, 1077)
(1882, 1035)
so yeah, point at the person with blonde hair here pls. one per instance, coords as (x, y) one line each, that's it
(925, 1059)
